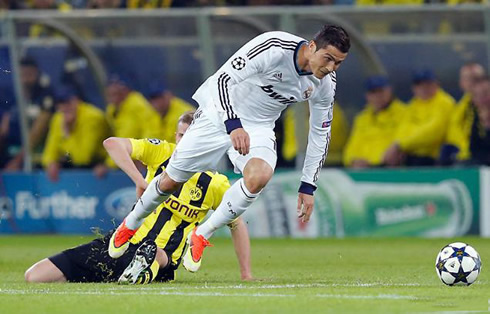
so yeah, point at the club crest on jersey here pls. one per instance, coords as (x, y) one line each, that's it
(307, 93)
(238, 63)
(326, 124)
(277, 76)
(195, 194)
(154, 141)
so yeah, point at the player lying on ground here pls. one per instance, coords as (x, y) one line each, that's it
(161, 238)
(238, 106)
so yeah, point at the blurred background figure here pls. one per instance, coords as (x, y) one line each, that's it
(75, 137)
(167, 110)
(480, 129)
(37, 30)
(11, 5)
(38, 94)
(287, 145)
(422, 131)
(104, 4)
(129, 113)
(374, 128)
(457, 146)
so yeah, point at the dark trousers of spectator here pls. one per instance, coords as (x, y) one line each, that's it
(412, 160)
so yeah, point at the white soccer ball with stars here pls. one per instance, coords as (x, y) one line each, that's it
(458, 264)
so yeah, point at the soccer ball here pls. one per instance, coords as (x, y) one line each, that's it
(458, 264)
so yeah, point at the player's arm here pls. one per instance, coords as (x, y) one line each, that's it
(120, 150)
(321, 115)
(241, 241)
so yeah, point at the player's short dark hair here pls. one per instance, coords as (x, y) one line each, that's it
(187, 117)
(332, 35)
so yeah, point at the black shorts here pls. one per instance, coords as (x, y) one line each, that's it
(91, 262)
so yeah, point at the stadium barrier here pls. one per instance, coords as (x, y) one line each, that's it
(423, 202)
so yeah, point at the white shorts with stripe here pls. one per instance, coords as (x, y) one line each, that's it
(204, 144)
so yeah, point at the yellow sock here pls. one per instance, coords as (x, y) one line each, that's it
(148, 275)
(154, 269)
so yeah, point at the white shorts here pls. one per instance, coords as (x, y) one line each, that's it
(204, 144)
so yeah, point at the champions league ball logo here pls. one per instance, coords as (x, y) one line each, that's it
(238, 63)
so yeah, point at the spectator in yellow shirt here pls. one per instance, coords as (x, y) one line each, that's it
(422, 131)
(129, 113)
(75, 136)
(374, 128)
(167, 110)
(457, 146)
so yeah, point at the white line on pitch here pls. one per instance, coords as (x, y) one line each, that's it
(202, 294)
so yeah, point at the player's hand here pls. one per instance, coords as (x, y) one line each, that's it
(100, 170)
(53, 171)
(393, 156)
(140, 188)
(305, 206)
(240, 140)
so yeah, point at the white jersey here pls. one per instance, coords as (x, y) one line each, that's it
(259, 81)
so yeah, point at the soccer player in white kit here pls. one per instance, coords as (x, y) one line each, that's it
(238, 106)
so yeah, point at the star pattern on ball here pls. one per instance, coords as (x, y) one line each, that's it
(461, 276)
(238, 63)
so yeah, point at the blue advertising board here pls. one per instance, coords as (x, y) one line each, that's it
(78, 203)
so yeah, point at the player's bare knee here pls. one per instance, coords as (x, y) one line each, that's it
(30, 274)
(257, 174)
(255, 181)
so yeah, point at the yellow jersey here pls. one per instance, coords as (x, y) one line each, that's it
(132, 119)
(372, 133)
(423, 128)
(172, 221)
(459, 130)
(83, 146)
(165, 126)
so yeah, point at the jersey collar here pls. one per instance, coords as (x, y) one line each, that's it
(295, 59)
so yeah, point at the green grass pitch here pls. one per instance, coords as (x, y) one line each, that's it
(356, 275)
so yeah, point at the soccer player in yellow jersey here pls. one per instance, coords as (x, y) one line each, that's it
(155, 251)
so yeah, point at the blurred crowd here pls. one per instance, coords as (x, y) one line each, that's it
(152, 4)
(431, 129)
(64, 131)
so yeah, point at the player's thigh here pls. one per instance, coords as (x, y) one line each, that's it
(44, 271)
(199, 150)
(262, 146)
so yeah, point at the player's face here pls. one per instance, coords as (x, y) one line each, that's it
(115, 93)
(181, 128)
(468, 75)
(69, 109)
(325, 60)
(379, 98)
(28, 75)
(481, 95)
(425, 90)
